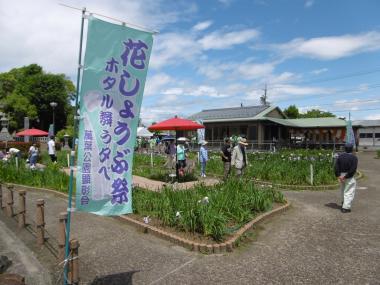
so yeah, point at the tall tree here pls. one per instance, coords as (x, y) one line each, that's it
(292, 112)
(28, 91)
(316, 113)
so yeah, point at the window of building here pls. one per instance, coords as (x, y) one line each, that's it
(377, 135)
(252, 133)
(369, 136)
(362, 136)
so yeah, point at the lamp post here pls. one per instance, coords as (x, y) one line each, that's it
(53, 105)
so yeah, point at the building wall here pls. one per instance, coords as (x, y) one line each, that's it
(369, 136)
(275, 114)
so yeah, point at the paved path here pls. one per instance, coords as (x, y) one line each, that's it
(156, 185)
(312, 243)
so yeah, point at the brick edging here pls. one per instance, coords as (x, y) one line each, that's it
(226, 246)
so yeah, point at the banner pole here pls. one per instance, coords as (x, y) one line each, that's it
(72, 155)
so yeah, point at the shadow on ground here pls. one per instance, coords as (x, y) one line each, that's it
(333, 206)
(124, 278)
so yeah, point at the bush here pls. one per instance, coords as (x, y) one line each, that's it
(230, 205)
(378, 153)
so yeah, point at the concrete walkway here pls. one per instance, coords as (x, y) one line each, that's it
(155, 185)
(312, 243)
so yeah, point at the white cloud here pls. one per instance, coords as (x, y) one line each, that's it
(373, 117)
(255, 70)
(309, 3)
(225, 40)
(155, 83)
(202, 26)
(330, 48)
(355, 103)
(319, 71)
(205, 90)
(226, 2)
(173, 48)
(288, 89)
(46, 33)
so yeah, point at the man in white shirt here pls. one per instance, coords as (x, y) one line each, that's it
(51, 150)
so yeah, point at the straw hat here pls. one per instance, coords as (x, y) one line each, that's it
(242, 141)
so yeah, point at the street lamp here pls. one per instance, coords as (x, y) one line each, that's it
(53, 105)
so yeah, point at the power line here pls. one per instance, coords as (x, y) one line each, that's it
(374, 86)
(343, 76)
(347, 102)
(355, 110)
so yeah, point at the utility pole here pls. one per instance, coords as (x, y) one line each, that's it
(263, 99)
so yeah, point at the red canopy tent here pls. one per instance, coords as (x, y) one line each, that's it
(32, 133)
(176, 124)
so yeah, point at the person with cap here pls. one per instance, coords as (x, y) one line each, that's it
(225, 153)
(345, 169)
(203, 157)
(239, 156)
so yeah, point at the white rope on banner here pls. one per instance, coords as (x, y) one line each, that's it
(124, 23)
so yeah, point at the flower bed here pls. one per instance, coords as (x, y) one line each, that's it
(142, 167)
(290, 167)
(211, 211)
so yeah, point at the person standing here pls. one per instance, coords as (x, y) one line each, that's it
(203, 158)
(345, 169)
(51, 150)
(33, 155)
(226, 157)
(181, 159)
(239, 157)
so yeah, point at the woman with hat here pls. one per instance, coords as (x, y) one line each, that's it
(203, 157)
(239, 156)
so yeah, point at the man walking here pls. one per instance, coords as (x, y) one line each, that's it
(345, 169)
(51, 150)
(226, 157)
(239, 156)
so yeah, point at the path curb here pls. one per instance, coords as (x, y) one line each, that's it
(226, 246)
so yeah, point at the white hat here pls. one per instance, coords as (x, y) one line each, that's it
(203, 142)
(242, 141)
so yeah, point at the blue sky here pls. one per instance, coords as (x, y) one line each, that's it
(220, 53)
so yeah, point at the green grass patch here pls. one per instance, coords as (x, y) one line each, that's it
(50, 177)
(230, 205)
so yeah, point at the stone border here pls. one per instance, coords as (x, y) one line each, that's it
(226, 246)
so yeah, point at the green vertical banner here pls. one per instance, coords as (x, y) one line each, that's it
(115, 68)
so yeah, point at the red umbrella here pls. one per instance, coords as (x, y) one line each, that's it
(32, 133)
(176, 124)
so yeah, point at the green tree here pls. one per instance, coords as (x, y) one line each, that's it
(316, 113)
(28, 91)
(292, 112)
